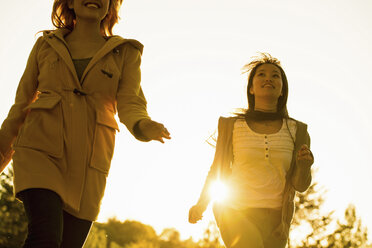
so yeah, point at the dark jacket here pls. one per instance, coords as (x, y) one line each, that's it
(297, 178)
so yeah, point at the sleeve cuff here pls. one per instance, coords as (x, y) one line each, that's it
(138, 133)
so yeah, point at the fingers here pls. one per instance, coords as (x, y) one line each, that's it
(160, 139)
(195, 215)
(305, 155)
(193, 219)
(163, 134)
(154, 130)
(304, 151)
(166, 134)
(160, 132)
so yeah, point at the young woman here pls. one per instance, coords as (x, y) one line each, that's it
(62, 127)
(264, 157)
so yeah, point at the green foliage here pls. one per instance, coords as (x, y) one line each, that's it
(142, 244)
(13, 220)
(169, 238)
(134, 234)
(349, 232)
(308, 217)
(321, 230)
(127, 232)
(211, 237)
(310, 229)
(96, 239)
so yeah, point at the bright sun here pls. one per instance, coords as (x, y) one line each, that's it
(218, 191)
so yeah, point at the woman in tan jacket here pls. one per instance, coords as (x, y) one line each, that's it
(263, 156)
(60, 132)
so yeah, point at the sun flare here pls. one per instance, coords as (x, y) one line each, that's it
(218, 191)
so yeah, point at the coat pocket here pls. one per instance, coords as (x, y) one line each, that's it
(43, 126)
(104, 140)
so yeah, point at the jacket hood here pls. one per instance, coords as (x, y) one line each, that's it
(55, 38)
(112, 41)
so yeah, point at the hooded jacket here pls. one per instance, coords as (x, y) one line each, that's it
(62, 129)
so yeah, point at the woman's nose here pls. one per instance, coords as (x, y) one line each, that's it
(268, 79)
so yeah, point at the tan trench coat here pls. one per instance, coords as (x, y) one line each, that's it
(63, 130)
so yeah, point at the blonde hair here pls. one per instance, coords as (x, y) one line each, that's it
(64, 17)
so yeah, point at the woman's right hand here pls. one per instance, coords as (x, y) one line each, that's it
(196, 213)
(153, 130)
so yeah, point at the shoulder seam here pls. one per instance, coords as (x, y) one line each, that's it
(136, 44)
(297, 121)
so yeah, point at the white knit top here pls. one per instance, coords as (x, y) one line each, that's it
(261, 162)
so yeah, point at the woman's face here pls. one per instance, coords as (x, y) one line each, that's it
(94, 10)
(267, 82)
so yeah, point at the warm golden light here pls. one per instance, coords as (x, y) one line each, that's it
(218, 191)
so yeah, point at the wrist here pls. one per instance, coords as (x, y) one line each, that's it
(202, 205)
(138, 130)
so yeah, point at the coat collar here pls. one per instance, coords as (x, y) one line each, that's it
(56, 40)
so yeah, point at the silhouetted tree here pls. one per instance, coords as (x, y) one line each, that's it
(169, 238)
(142, 244)
(96, 239)
(313, 229)
(13, 220)
(308, 217)
(127, 232)
(134, 234)
(211, 237)
(349, 232)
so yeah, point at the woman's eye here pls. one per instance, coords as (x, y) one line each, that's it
(276, 76)
(260, 74)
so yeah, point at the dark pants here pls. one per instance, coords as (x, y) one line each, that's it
(49, 226)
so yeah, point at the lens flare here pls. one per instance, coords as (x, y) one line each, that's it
(218, 191)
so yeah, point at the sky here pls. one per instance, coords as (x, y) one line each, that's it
(191, 75)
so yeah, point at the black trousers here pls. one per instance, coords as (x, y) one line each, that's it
(49, 226)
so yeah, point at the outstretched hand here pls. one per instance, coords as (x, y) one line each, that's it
(153, 130)
(196, 213)
(305, 157)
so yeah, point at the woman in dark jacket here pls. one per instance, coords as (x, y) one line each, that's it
(263, 156)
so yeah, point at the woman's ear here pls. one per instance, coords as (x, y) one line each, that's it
(251, 91)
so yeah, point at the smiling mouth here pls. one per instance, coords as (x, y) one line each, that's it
(268, 85)
(92, 5)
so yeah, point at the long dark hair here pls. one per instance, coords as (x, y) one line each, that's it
(251, 68)
(63, 17)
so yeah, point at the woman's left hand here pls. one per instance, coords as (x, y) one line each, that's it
(305, 157)
(153, 130)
